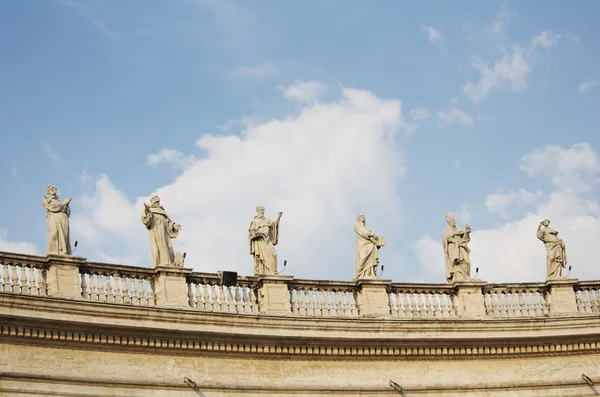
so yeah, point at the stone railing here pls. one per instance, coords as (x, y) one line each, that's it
(205, 292)
(23, 274)
(516, 300)
(180, 288)
(422, 300)
(588, 296)
(101, 282)
(323, 298)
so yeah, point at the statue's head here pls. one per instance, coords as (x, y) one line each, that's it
(51, 191)
(546, 222)
(154, 201)
(361, 218)
(451, 219)
(260, 211)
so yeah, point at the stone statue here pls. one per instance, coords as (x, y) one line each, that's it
(456, 251)
(556, 254)
(57, 221)
(162, 230)
(263, 236)
(367, 250)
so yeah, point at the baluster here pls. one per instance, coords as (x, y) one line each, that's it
(578, 300)
(393, 303)
(293, 300)
(501, 303)
(252, 291)
(595, 300)
(346, 303)
(404, 300)
(246, 304)
(206, 305)
(200, 302)
(84, 287)
(14, 287)
(328, 301)
(414, 304)
(119, 296)
(437, 301)
(214, 303)
(133, 290)
(588, 300)
(151, 293)
(191, 301)
(4, 277)
(531, 302)
(522, 305)
(340, 311)
(239, 302)
(92, 285)
(311, 306)
(230, 299)
(32, 290)
(125, 289)
(22, 281)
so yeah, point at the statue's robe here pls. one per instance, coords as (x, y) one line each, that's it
(367, 252)
(457, 254)
(57, 222)
(556, 254)
(263, 236)
(162, 230)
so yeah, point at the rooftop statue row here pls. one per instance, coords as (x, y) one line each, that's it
(263, 236)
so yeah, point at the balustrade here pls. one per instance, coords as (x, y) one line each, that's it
(19, 276)
(422, 301)
(516, 300)
(323, 298)
(587, 295)
(205, 292)
(128, 285)
(117, 284)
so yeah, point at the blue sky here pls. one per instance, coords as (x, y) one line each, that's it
(323, 110)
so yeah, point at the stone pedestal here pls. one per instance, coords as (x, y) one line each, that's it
(171, 287)
(273, 295)
(562, 297)
(62, 276)
(372, 298)
(469, 298)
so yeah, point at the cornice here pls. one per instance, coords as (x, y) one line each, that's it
(91, 325)
(146, 341)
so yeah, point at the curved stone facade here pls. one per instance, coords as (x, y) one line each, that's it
(69, 327)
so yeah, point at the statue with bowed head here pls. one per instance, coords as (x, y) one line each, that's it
(456, 251)
(263, 236)
(57, 222)
(556, 254)
(162, 230)
(367, 250)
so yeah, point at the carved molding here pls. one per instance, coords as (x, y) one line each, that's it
(493, 350)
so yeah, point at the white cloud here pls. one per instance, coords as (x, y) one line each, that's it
(320, 166)
(175, 158)
(254, 71)
(546, 39)
(575, 169)
(510, 72)
(304, 91)
(587, 85)
(503, 16)
(21, 247)
(14, 172)
(436, 38)
(419, 114)
(500, 203)
(51, 154)
(454, 116)
(511, 252)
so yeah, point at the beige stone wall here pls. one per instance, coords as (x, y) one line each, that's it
(69, 327)
(42, 370)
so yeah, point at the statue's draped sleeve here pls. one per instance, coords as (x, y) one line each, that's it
(274, 230)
